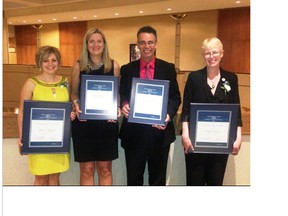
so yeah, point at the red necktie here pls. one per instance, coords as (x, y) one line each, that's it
(148, 74)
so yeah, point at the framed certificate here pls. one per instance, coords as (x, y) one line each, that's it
(148, 103)
(98, 97)
(213, 127)
(46, 127)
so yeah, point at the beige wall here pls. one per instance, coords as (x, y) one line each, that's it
(50, 35)
(122, 32)
(195, 27)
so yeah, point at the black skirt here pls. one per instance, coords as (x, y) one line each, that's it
(95, 140)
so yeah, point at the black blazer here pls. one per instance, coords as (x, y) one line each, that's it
(197, 90)
(163, 71)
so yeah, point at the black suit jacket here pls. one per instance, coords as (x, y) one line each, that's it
(198, 91)
(131, 132)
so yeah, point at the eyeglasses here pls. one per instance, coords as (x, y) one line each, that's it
(214, 53)
(149, 43)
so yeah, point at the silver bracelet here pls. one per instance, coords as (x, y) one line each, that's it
(75, 101)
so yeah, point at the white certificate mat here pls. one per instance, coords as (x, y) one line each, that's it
(98, 97)
(212, 128)
(47, 127)
(149, 100)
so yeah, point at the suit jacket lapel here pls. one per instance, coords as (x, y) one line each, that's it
(136, 68)
(206, 87)
(157, 70)
(219, 93)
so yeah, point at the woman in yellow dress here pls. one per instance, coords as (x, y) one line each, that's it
(47, 86)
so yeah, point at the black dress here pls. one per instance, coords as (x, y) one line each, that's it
(95, 140)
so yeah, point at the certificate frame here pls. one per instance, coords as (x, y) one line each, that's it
(46, 127)
(152, 93)
(213, 127)
(98, 97)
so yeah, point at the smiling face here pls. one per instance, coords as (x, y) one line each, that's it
(95, 44)
(147, 44)
(212, 52)
(50, 64)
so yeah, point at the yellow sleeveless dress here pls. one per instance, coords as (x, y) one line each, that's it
(44, 164)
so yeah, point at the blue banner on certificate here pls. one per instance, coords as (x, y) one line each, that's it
(148, 103)
(98, 97)
(46, 127)
(213, 127)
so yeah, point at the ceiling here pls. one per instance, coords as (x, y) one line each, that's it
(24, 12)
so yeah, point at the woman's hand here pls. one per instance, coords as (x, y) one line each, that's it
(77, 110)
(125, 110)
(163, 127)
(20, 144)
(72, 115)
(187, 144)
(238, 142)
(236, 147)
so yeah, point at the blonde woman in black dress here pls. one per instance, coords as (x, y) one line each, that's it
(95, 142)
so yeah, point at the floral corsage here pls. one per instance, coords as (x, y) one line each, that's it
(225, 85)
(64, 84)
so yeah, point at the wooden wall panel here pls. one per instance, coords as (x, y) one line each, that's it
(26, 54)
(71, 38)
(234, 32)
(233, 59)
(68, 56)
(26, 44)
(246, 63)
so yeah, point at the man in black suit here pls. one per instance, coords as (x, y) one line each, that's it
(145, 143)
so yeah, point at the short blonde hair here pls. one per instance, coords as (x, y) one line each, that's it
(210, 43)
(44, 52)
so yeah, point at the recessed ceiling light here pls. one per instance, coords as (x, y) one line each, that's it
(24, 21)
(54, 19)
(141, 11)
(238, 2)
(169, 9)
(95, 16)
(116, 14)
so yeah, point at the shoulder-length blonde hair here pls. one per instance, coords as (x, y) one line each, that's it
(84, 57)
